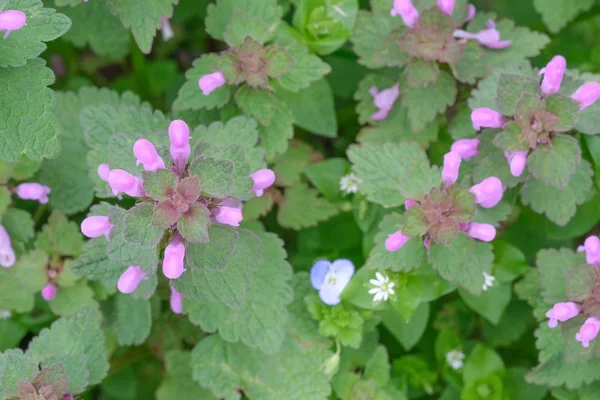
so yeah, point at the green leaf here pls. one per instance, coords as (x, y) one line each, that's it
(511, 138)
(482, 363)
(178, 382)
(388, 172)
(423, 105)
(131, 320)
(78, 337)
(215, 176)
(313, 108)
(27, 111)
(552, 265)
(72, 299)
(16, 367)
(18, 224)
(143, 19)
(588, 121)
(307, 69)
(559, 205)
(407, 333)
(369, 38)
(421, 73)
(138, 226)
(487, 89)
(93, 24)
(409, 257)
(557, 14)
(302, 208)
(341, 322)
(378, 367)
(94, 264)
(326, 176)
(463, 261)
(60, 236)
(221, 15)
(565, 108)
(513, 325)
(257, 103)
(12, 295)
(43, 25)
(193, 225)
(11, 334)
(289, 166)
(30, 270)
(556, 162)
(214, 255)
(491, 304)
(5, 199)
(243, 25)
(510, 89)
(190, 96)
(580, 282)
(160, 184)
(274, 138)
(472, 65)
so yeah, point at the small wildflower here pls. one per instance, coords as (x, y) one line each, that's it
(263, 179)
(451, 167)
(146, 154)
(384, 101)
(33, 191)
(488, 281)
(49, 291)
(553, 75)
(447, 6)
(166, 29)
(330, 279)
(483, 232)
(179, 134)
(489, 37)
(209, 83)
(96, 226)
(587, 94)
(487, 118)
(488, 192)
(408, 203)
(396, 241)
(591, 247)
(11, 20)
(407, 11)
(7, 254)
(517, 160)
(455, 359)
(173, 263)
(382, 289)
(123, 181)
(349, 183)
(5, 314)
(176, 301)
(130, 279)
(589, 330)
(229, 215)
(104, 172)
(562, 312)
(471, 13)
(466, 148)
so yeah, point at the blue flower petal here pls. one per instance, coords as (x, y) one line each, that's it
(330, 295)
(318, 272)
(343, 268)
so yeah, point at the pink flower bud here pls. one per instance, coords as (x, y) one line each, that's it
(11, 20)
(517, 161)
(483, 232)
(488, 192)
(587, 94)
(179, 133)
(472, 12)
(95, 226)
(173, 264)
(451, 166)
(123, 181)
(396, 241)
(210, 82)
(130, 279)
(466, 148)
(229, 216)
(553, 75)
(487, 118)
(408, 203)
(33, 191)
(4, 238)
(427, 242)
(384, 101)
(406, 10)
(166, 29)
(463, 226)
(263, 179)
(176, 300)
(562, 312)
(104, 172)
(49, 291)
(592, 250)
(489, 37)
(146, 154)
(7, 254)
(447, 6)
(589, 330)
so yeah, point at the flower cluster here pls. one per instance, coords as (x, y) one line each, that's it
(175, 202)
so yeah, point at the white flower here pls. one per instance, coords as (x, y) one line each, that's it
(382, 289)
(349, 183)
(5, 314)
(488, 281)
(455, 359)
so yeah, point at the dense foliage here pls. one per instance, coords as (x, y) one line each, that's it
(299, 199)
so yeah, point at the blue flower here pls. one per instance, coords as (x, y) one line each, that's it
(330, 279)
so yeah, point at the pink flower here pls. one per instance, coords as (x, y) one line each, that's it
(146, 154)
(95, 226)
(427, 242)
(263, 179)
(384, 101)
(123, 181)
(587, 94)
(553, 75)
(487, 118)
(7, 254)
(11, 20)
(166, 29)
(589, 330)
(517, 161)
(489, 37)
(179, 134)
(396, 241)
(33, 191)
(49, 291)
(407, 11)
(408, 203)
(130, 279)
(591, 246)
(173, 264)
(210, 82)
(562, 312)
(229, 216)
(104, 172)
(176, 301)
(465, 148)
(472, 12)
(488, 192)
(447, 6)
(483, 232)
(451, 166)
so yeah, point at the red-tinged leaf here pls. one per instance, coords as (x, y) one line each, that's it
(189, 189)
(193, 225)
(165, 214)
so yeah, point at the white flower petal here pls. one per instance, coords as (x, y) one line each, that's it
(380, 277)
(374, 290)
(391, 291)
(374, 282)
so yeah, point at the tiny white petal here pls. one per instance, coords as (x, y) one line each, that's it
(385, 296)
(391, 285)
(378, 296)
(379, 276)
(374, 282)
(391, 291)
(374, 290)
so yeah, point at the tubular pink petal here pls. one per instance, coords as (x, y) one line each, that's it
(384, 101)
(130, 279)
(229, 216)
(447, 6)
(173, 264)
(11, 20)
(408, 203)
(104, 172)
(407, 11)
(123, 181)
(487, 118)
(488, 192)
(587, 94)
(483, 232)
(588, 331)
(592, 250)
(179, 134)
(166, 29)
(472, 12)
(451, 167)
(176, 301)
(396, 241)
(466, 148)
(517, 161)
(146, 154)
(562, 312)
(96, 226)
(33, 191)
(263, 179)
(209, 83)
(49, 291)
(553, 75)
(7, 256)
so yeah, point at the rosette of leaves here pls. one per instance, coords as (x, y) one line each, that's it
(557, 178)
(394, 172)
(427, 86)
(263, 72)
